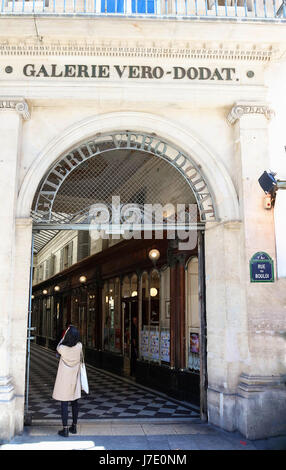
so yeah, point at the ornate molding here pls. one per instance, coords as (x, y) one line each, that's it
(240, 109)
(16, 103)
(184, 51)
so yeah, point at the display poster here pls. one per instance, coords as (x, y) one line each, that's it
(194, 343)
(165, 346)
(154, 345)
(144, 344)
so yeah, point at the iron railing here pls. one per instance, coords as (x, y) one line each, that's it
(187, 9)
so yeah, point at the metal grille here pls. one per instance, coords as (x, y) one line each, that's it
(134, 176)
(111, 165)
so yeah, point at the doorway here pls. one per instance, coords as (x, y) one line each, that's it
(115, 332)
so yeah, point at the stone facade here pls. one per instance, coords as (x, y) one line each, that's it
(206, 88)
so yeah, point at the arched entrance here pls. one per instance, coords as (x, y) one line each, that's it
(53, 186)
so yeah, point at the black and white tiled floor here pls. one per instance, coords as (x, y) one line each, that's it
(110, 397)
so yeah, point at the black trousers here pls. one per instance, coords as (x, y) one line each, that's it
(65, 412)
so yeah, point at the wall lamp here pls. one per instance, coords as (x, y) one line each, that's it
(45, 291)
(154, 255)
(57, 288)
(82, 279)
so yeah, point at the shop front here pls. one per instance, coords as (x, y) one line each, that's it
(120, 299)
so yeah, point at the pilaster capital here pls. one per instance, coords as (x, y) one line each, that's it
(243, 108)
(16, 103)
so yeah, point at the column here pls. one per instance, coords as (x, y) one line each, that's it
(226, 321)
(19, 317)
(261, 394)
(12, 112)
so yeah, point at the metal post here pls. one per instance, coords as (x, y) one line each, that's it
(29, 337)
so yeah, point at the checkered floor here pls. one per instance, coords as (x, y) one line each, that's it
(110, 397)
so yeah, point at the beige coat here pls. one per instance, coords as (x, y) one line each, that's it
(68, 385)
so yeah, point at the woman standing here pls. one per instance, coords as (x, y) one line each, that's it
(68, 384)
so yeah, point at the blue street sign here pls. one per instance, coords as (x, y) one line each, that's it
(261, 268)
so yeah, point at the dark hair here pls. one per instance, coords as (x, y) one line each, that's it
(72, 337)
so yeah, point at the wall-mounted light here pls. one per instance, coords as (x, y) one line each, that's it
(134, 293)
(45, 291)
(32, 297)
(269, 183)
(153, 291)
(270, 186)
(154, 255)
(82, 279)
(57, 288)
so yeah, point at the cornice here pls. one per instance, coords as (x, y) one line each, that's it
(185, 51)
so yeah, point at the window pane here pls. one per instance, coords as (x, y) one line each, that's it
(192, 317)
(112, 6)
(143, 6)
(155, 297)
(145, 300)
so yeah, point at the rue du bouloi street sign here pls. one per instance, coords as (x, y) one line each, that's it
(261, 268)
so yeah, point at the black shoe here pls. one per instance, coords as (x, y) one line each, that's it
(64, 432)
(72, 429)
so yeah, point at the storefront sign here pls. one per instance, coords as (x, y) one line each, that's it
(191, 72)
(261, 268)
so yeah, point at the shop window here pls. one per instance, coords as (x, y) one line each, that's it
(192, 317)
(112, 332)
(74, 311)
(44, 318)
(91, 310)
(154, 297)
(145, 300)
(154, 343)
(49, 316)
(36, 314)
(126, 287)
(129, 305)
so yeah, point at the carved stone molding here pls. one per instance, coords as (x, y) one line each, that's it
(16, 103)
(250, 383)
(240, 109)
(198, 50)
